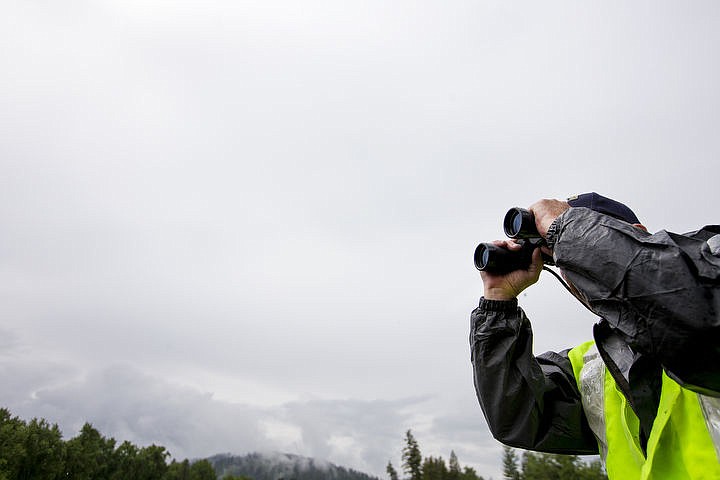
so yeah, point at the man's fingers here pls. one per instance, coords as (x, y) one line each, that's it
(509, 244)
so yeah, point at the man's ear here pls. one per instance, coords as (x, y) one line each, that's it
(640, 226)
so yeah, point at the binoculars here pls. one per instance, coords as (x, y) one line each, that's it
(519, 224)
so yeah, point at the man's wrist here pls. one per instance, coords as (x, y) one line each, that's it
(489, 305)
(498, 294)
(553, 232)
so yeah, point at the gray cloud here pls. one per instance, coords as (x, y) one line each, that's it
(125, 403)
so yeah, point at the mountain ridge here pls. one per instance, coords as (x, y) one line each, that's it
(282, 466)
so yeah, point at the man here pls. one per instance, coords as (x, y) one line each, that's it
(645, 393)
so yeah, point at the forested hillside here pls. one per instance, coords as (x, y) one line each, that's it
(282, 466)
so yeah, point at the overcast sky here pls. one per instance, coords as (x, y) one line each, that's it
(237, 226)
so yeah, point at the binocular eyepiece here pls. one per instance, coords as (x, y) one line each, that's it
(519, 224)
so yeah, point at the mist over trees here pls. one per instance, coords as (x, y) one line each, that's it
(282, 466)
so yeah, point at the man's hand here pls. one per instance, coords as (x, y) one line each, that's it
(545, 212)
(509, 285)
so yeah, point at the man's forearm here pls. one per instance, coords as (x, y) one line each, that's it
(528, 402)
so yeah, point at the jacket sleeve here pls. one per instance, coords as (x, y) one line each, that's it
(660, 291)
(529, 402)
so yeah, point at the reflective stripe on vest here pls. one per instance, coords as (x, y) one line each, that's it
(684, 440)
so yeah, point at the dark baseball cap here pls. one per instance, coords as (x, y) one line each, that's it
(605, 205)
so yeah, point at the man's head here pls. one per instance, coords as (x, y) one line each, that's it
(605, 205)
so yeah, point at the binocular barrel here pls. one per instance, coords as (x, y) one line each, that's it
(493, 259)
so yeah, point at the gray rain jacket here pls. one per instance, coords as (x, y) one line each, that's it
(658, 297)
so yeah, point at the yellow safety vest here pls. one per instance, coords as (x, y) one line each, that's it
(684, 440)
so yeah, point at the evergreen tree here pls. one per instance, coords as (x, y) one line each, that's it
(546, 466)
(539, 466)
(392, 473)
(178, 471)
(469, 473)
(434, 469)
(13, 432)
(126, 463)
(593, 471)
(44, 452)
(412, 458)
(89, 456)
(202, 470)
(453, 467)
(152, 463)
(510, 464)
(430, 468)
